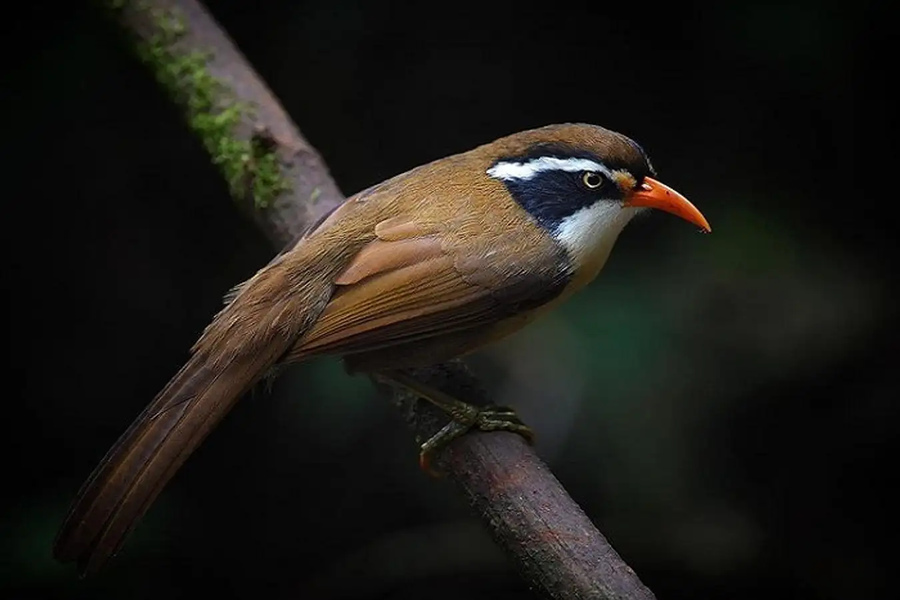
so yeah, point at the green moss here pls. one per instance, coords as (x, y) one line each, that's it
(250, 166)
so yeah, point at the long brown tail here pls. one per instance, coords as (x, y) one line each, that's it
(265, 317)
(135, 470)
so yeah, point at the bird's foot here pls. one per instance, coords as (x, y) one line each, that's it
(483, 418)
(465, 417)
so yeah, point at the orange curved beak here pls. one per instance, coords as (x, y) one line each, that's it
(653, 194)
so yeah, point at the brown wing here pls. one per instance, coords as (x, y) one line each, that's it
(414, 282)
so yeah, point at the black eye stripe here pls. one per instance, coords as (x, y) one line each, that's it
(551, 196)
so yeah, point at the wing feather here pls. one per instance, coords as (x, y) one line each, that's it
(380, 256)
(412, 282)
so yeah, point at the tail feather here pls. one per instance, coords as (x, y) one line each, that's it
(264, 317)
(148, 454)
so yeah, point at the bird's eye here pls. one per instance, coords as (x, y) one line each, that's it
(591, 179)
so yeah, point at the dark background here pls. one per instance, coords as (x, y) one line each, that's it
(723, 407)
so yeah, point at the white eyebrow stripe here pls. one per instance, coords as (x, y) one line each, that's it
(523, 171)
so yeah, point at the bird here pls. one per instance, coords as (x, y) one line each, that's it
(427, 266)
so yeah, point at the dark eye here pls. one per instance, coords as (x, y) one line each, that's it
(592, 180)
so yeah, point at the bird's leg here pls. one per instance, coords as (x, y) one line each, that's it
(464, 416)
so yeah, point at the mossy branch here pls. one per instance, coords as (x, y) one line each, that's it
(283, 184)
(271, 171)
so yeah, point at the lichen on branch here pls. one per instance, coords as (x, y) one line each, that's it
(250, 166)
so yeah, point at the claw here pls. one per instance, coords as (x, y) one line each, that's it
(465, 417)
(489, 418)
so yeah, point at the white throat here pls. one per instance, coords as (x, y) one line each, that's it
(590, 233)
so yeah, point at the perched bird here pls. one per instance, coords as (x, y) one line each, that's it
(424, 267)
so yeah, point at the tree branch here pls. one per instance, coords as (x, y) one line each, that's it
(281, 182)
